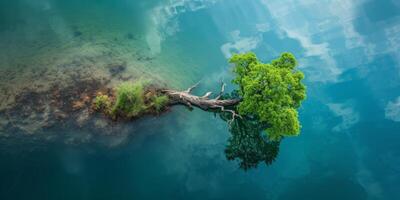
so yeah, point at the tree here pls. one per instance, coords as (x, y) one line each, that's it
(269, 92)
(260, 112)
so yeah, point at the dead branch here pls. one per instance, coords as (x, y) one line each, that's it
(203, 102)
(234, 114)
(189, 90)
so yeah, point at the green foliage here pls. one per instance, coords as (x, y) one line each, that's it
(160, 102)
(129, 100)
(102, 103)
(271, 92)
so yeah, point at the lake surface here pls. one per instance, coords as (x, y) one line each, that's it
(349, 147)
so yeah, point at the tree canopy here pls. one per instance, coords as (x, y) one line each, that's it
(270, 92)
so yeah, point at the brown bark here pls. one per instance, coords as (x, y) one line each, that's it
(203, 102)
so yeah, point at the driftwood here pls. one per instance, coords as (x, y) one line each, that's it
(203, 102)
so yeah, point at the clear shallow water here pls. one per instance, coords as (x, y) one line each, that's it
(349, 146)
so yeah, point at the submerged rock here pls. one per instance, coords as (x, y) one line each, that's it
(77, 33)
(60, 115)
(36, 111)
(116, 69)
(131, 36)
(83, 117)
(101, 123)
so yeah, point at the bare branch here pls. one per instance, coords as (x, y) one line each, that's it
(234, 114)
(222, 90)
(191, 88)
(187, 103)
(208, 94)
(203, 102)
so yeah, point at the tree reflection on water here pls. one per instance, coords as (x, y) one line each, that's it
(248, 143)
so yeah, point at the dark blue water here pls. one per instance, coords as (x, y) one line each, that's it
(349, 147)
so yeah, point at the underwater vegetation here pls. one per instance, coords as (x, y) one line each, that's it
(59, 106)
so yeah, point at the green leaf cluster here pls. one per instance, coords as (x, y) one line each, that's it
(160, 102)
(102, 102)
(129, 100)
(271, 92)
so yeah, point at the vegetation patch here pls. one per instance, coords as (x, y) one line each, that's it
(131, 100)
(102, 102)
(160, 102)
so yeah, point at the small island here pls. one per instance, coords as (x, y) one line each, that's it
(259, 112)
(268, 93)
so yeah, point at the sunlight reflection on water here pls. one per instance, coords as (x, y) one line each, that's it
(349, 51)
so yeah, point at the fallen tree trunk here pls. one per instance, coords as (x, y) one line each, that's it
(203, 102)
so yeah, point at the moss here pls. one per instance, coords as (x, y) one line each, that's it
(159, 102)
(129, 100)
(102, 103)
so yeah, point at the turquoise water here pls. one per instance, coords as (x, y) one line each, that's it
(349, 145)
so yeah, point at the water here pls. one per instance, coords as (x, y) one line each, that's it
(349, 145)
